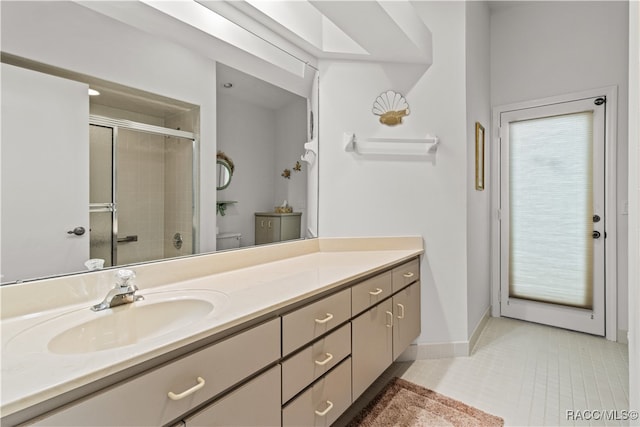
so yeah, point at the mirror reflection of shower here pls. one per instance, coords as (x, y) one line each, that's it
(142, 191)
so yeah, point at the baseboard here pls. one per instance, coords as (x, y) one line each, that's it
(623, 336)
(446, 349)
(473, 340)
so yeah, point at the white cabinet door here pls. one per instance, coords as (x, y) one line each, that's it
(45, 174)
(372, 345)
(406, 321)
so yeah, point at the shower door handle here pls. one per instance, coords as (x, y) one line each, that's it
(78, 231)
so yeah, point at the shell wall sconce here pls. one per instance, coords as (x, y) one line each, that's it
(391, 106)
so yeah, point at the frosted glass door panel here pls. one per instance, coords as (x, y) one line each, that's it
(551, 209)
(101, 236)
(100, 164)
(101, 193)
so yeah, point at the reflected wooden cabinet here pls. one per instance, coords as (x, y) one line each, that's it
(275, 227)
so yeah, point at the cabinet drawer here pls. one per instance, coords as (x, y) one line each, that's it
(145, 400)
(309, 322)
(370, 292)
(254, 404)
(314, 361)
(406, 274)
(323, 403)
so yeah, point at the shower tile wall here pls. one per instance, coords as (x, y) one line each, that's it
(178, 197)
(179, 201)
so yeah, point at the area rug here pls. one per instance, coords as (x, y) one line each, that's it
(403, 403)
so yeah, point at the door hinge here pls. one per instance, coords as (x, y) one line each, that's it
(502, 131)
(499, 212)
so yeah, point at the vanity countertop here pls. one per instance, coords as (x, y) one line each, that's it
(255, 282)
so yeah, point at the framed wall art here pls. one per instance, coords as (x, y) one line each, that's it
(479, 157)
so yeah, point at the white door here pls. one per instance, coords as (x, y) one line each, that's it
(552, 215)
(45, 174)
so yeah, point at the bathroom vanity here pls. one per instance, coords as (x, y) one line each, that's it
(273, 335)
(271, 227)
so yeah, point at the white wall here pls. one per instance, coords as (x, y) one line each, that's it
(291, 134)
(73, 37)
(478, 202)
(252, 149)
(377, 197)
(260, 152)
(634, 205)
(543, 49)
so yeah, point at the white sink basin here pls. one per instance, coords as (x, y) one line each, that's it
(86, 331)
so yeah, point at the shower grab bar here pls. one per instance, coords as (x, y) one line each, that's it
(132, 238)
(101, 207)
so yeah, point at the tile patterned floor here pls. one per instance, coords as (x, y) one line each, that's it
(528, 374)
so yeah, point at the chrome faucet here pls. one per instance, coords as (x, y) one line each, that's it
(122, 293)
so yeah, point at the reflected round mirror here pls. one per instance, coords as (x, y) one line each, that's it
(223, 174)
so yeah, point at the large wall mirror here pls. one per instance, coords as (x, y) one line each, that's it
(132, 175)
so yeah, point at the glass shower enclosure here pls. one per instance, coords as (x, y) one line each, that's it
(142, 192)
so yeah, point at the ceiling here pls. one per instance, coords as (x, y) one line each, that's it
(391, 32)
(250, 89)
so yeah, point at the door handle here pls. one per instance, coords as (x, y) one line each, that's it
(325, 320)
(596, 234)
(401, 307)
(78, 231)
(327, 359)
(174, 396)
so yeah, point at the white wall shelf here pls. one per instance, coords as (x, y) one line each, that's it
(396, 146)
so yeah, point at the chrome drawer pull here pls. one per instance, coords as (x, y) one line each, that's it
(401, 315)
(186, 393)
(408, 275)
(325, 361)
(390, 324)
(326, 411)
(326, 319)
(378, 291)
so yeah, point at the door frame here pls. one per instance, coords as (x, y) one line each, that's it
(610, 188)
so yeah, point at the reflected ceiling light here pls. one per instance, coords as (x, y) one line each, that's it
(93, 92)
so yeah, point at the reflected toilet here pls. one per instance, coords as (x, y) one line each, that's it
(227, 241)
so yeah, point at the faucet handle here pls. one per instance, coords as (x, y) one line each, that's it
(124, 276)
